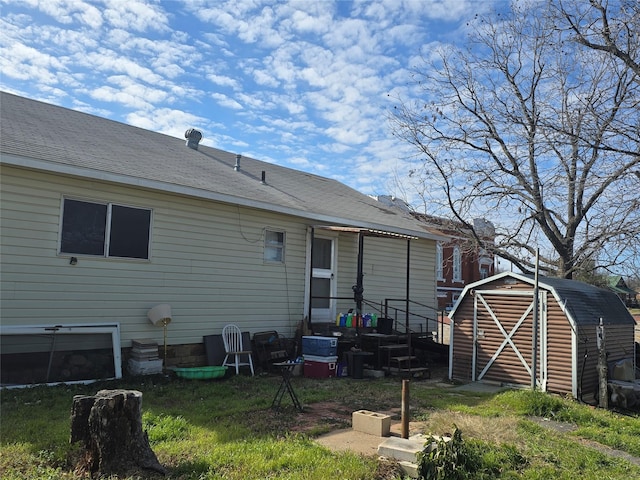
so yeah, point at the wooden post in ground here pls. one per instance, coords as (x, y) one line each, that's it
(109, 425)
(405, 408)
(603, 393)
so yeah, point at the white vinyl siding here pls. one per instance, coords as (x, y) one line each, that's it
(384, 268)
(211, 276)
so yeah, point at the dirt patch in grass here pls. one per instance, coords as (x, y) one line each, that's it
(331, 415)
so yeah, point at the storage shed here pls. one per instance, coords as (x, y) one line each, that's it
(492, 333)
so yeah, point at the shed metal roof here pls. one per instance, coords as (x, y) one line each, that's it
(584, 304)
(51, 138)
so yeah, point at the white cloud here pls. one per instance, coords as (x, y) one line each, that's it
(68, 11)
(225, 101)
(165, 120)
(129, 94)
(22, 62)
(261, 77)
(301, 83)
(223, 81)
(110, 61)
(135, 15)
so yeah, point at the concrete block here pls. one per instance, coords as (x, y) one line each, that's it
(410, 468)
(401, 449)
(372, 423)
(148, 367)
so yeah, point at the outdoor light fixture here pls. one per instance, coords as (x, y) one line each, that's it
(73, 260)
(161, 315)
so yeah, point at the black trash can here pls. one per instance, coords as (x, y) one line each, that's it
(385, 326)
(356, 368)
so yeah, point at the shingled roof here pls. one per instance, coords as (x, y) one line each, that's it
(46, 137)
(585, 304)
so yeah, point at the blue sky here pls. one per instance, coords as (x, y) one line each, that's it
(304, 84)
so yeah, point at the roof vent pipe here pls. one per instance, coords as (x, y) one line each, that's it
(264, 178)
(193, 137)
(237, 166)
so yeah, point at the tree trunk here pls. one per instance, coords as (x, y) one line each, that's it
(110, 426)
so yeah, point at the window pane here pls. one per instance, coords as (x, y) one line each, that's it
(457, 264)
(274, 246)
(272, 254)
(321, 257)
(129, 232)
(274, 238)
(83, 227)
(320, 287)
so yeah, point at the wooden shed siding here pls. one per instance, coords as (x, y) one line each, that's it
(618, 347)
(462, 347)
(212, 276)
(565, 372)
(559, 352)
(509, 368)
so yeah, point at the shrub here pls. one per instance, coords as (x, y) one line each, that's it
(456, 459)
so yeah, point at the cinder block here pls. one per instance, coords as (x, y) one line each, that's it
(148, 367)
(401, 449)
(372, 423)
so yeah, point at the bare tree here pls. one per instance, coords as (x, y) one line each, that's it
(612, 28)
(530, 130)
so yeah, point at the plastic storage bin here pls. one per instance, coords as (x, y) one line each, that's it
(320, 346)
(320, 367)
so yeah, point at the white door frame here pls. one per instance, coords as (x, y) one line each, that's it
(322, 315)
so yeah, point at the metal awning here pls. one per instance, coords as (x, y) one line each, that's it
(369, 232)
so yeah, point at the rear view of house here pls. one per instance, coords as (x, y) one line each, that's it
(492, 335)
(101, 221)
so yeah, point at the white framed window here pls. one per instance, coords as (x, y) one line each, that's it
(104, 229)
(439, 260)
(457, 264)
(274, 246)
(484, 273)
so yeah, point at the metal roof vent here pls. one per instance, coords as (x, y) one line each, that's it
(193, 137)
(237, 165)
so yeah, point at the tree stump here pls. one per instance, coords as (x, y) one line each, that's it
(109, 425)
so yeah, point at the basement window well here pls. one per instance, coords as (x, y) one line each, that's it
(52, 354)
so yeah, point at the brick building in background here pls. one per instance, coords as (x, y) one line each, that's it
(460, 261)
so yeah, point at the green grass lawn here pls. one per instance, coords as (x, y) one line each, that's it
(225, 429)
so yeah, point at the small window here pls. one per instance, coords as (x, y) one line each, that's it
(457, 265)
(439, 272)
(274, 246)
(105, 229)
(484, 273)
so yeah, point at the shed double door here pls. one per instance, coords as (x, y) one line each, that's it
(503, 337)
